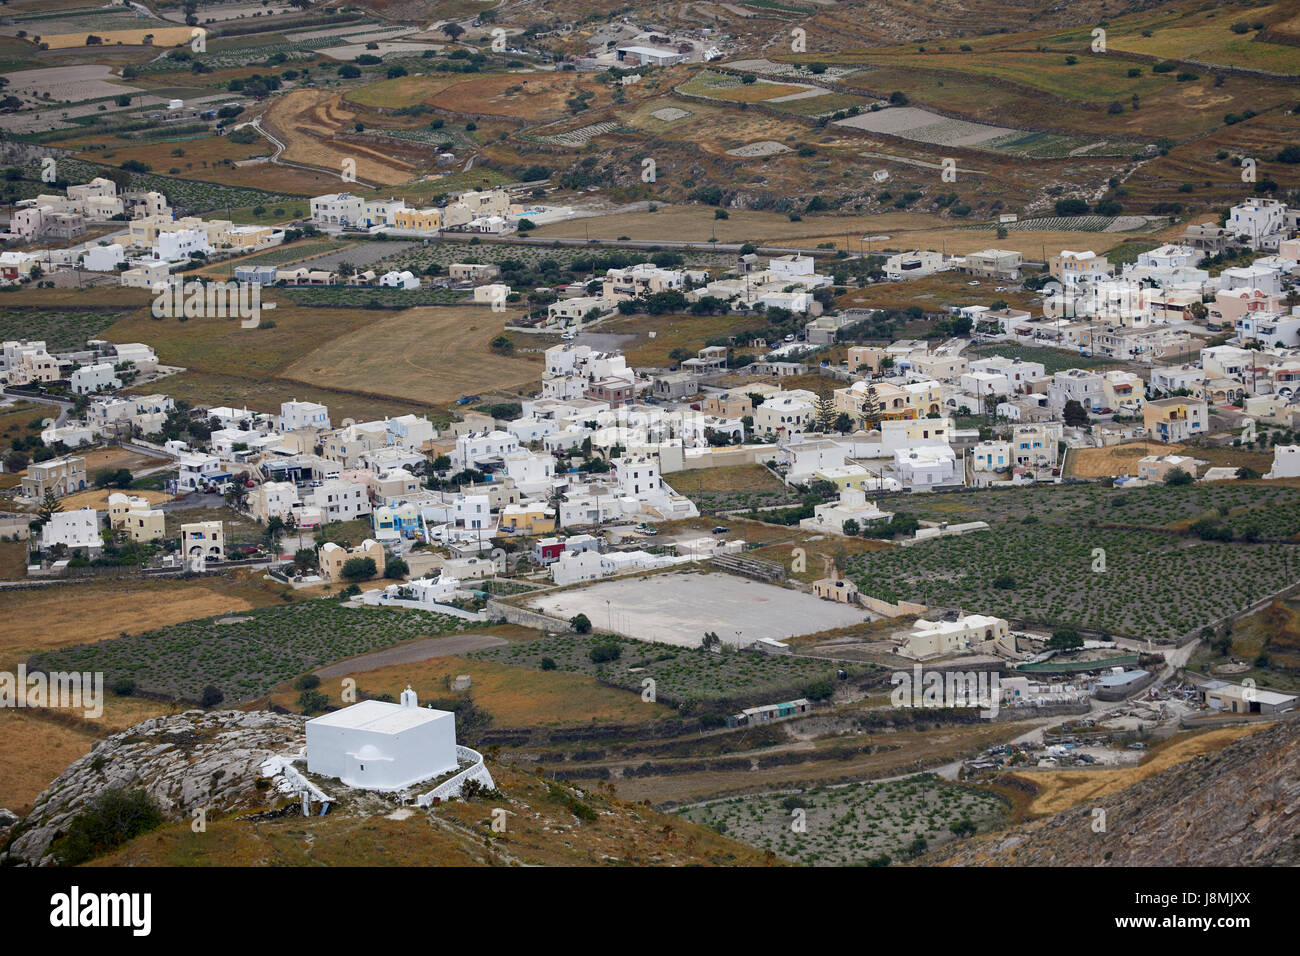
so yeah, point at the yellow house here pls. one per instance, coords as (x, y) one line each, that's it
(134, 516)
(244, 237)
(331, 558)
(422, 220)
(892, 401)
(1175, 419)
(849, 477)
(865, 357)
(531, 518)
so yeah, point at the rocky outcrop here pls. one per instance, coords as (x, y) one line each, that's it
(198, 759)
(1237, 807)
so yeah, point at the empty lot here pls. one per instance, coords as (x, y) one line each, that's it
(426, 354)
(679, 608)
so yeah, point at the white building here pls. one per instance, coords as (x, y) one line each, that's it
(177, 245)
(915, 264)
(476, 448)
(938, 638)
(337, 209)
(1260, 222)
(829, 518)
(94, 378)
(399, 280)
(295, 414)
(1286, 462)
(923, 468)
(339, 500)
(73, 529)
(375, 745)
(104, 258)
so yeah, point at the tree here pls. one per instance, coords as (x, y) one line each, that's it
(453, 31)
(824, 419)
(603, 653)
(109, 478)
(852, 528)
(1178, 477)
(359, 569)
(1065, 640)
(49, 507)
(312, 701)
(843, 423)
(873, 409)
(396, 568)
(305, 559)
(711, 641)
(349, 72)
(580, 623)
(1074, 413)
(111, 818)
(963, 827)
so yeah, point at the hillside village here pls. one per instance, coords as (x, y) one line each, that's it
(421, 449)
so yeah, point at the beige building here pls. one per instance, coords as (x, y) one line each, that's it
(728, 404)
(203, 539)
(140, 520)
(63, 476)
(835, 588)
(929, 639)
(1158, 467)
(331, 558)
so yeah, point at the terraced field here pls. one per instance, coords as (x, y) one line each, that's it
(246, 658)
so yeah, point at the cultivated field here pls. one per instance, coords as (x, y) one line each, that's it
(679, 673)
(1153, 586)
(848, 826)
(251, 654)
(514, 696)
(308, 122)
(431, 354)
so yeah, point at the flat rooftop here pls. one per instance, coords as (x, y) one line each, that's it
(378, 716)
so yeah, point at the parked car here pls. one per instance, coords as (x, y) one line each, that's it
(720, 530)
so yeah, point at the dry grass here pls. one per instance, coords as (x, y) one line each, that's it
(429, 354)
(541, 830)
(64, 614)
(690, 332)
(731, 478)
(1061, 789)
(98, 498)
(534, 97)
(514, 696)
(162, 37)
(308, 121)
(33, 752)
(1123, 459)
(13, 560)
(904, 751)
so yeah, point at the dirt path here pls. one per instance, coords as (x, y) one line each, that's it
(410, 653)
